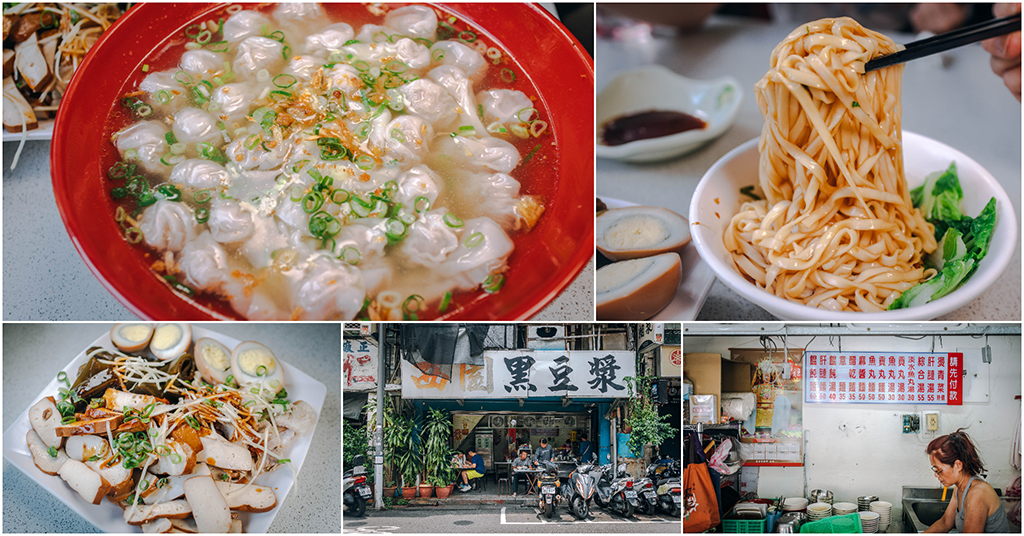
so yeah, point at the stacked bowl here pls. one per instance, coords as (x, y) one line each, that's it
(869, 522)
(843, 508)
(795, 504)
(864, 502)
(819, 511)
(884, 511)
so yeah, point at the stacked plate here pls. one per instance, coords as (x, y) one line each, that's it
(819, 511)
(884, 511)
(843, 508)
(864, 502)
(794, 504)
(869, 522)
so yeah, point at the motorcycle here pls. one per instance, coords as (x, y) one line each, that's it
(578, 492)
(665, 475)
(616, 494)
(549, 484)
(647, 502)
(355, 491)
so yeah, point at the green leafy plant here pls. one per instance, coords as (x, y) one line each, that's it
(647, 426)
(436, 438)
(404, 449)
(355, 443)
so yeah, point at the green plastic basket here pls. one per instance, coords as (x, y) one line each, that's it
(744, 526)
(845, 524)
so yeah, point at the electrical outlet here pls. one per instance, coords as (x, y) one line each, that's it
(931, 421)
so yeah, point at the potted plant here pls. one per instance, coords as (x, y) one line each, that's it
(436, 440)
(645, 426)
(405, 454)
(391, 443)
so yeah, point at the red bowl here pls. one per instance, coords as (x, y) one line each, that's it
(544, 263)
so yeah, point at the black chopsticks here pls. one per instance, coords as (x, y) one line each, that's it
(948, 40)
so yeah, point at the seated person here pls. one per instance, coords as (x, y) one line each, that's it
(458, 460)
(473, 469)
(522, 462)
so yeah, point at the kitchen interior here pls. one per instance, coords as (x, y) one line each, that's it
(784, 449)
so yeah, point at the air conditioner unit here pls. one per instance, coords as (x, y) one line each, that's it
(550, 337)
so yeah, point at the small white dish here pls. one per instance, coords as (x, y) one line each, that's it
(653, 87)
(718, 197)
(693, 290)
(43, 133)
(107, 516)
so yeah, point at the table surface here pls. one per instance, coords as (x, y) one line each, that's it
(31, 352)
(961, 104)
(46, 279)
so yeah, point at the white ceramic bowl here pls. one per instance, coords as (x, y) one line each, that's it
(794, 503)
(717, 198)
(654, 87)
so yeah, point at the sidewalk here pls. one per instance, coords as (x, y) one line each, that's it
(476, 498)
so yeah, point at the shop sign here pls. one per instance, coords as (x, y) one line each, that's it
(671, 362)
(884, 378)
(360, 365)
(525, 374)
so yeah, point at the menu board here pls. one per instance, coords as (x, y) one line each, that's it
(883, 378)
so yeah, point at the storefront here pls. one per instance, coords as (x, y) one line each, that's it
(516, 397)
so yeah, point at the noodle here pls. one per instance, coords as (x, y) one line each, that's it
(837, 230)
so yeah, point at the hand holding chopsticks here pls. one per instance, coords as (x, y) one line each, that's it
(948, 40)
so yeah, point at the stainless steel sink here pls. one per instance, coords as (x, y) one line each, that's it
(924, 506)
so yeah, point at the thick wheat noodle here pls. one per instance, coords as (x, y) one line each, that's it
(837, 230)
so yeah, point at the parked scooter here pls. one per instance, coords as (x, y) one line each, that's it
(647, 500)
(616, 494)
(579, 490)
(355, 491)
(665, 475)
(549, 484)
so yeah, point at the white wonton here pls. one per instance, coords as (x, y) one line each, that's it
(454, 80)
(192, 125)
(329, 289)
(329, 39)
(255, 53)
(408, 138)
(482, 251)
(430, 240)
(205, 264)
(233, 100)
(466, 58)
(201, 62)
(167, 225)
(229, 223)
(413, 21)
(505, 105)
(147, 139)
(417, 182)
(426, 99)
(244, 24)
(199, 174)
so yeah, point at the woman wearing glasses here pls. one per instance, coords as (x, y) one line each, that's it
(974, 507)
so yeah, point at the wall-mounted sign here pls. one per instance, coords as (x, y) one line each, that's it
(671, 365)
(360, 365)
(651, 336)
(519, 374)
(884, 378)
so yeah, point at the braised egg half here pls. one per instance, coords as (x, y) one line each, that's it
(251, 362)
(170, 340)
(131, 336)
(213, 360)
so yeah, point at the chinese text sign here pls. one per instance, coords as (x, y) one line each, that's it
(883, 378)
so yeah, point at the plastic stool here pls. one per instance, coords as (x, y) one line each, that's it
(507, 485)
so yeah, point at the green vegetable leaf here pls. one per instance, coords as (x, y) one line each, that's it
(982, 228)
(946, 281)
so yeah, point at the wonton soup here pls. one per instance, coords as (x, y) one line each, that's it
(330, 162)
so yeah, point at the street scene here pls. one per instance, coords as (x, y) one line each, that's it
(511, 427)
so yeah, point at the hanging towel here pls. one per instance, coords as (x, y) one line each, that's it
(780, 419)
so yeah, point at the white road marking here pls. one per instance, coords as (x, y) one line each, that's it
(505, 521)
(383, 529)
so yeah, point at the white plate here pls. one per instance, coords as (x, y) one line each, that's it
(653, 87)
(109, 517)
(44, 132)
(697, 280)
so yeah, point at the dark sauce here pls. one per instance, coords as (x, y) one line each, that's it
(646, 125)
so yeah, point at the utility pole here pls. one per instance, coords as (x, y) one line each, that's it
(378, 434)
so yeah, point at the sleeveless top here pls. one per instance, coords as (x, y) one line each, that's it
(997, 522)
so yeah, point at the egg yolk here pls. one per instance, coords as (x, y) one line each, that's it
(254, 358)
(216, 357)
(135, 333)
(636, 231)
(166, 336)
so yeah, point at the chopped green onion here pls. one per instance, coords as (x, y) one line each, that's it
(262, 75)
(323, 225)
(284, 81)
(209, 152)
(162, 482)
(179, 148)
(397, 134)
(351, 42)
(192, 422)
(165, 452)
(421, 204)
(202, 196)
(170, 192)
(394, 229)
(63, 377)
(68, 420)
(437, 54)
(340, 196)
(361, 66)
(508, 76)
(331, 148)
(52, 451)
(452, 220)
(94, 458)
(493, 283)
(133, 235)
(529, 156)
(496, 128)
(445, 301)
(855, 104)
(474, 240)
(364, 162)
(202, 215)
(204, 37)
(312, 202)
(350, 255)
(261, 370)
(144, 110)
(412, 304)
(467, 36)
(175, 457)
(284, 460)
(163, 96)
(280, 93)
